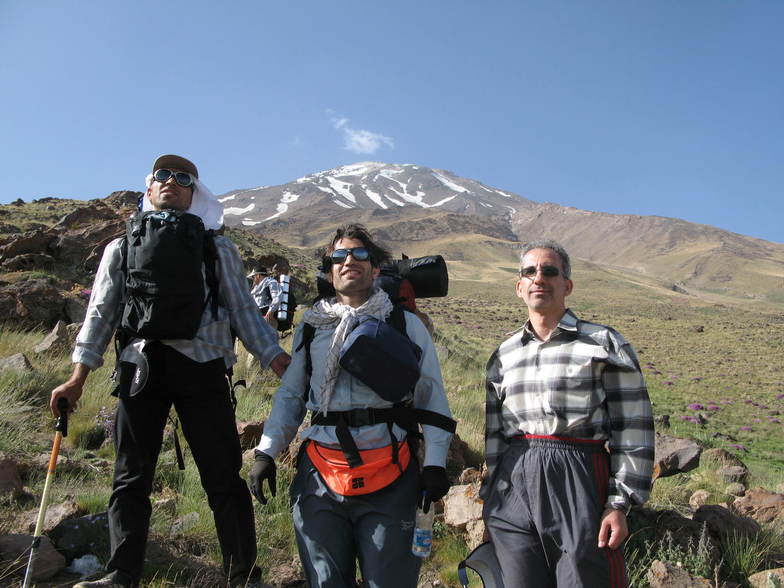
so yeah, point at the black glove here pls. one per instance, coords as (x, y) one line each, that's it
(263, 469)
(435, 485)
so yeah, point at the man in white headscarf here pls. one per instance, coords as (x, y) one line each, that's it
(358, 481)
(189, 372)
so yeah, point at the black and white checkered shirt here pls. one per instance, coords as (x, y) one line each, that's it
(584, 382)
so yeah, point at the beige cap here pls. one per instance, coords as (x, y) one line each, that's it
(175, 162)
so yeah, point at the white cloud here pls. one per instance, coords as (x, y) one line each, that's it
(361, 140)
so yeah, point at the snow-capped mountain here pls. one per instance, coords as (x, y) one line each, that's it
(369, 185)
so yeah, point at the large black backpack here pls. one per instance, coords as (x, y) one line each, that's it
(163, 256)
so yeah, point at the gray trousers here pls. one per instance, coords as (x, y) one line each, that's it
(333, 531)
(542, 511)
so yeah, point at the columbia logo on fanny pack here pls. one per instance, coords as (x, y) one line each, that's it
(358, 483)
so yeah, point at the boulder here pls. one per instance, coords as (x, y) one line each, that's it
(55, 514)
(469, 476)
(699, 498)
(663, 574)
(722, 522)
(10, 480)
(35, 241)
(83, 535)
(674, 455)
(75, 310)
(767, 578)
(28, 262)
(661, 421)
(721, 457)
(34, 301)
(762, 505)
(15, 548)
(462, 505)
(475, 531)
(16, 362)
(56, 340)
(735, 489)
(733, 473)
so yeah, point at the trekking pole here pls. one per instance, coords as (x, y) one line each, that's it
(61, 430)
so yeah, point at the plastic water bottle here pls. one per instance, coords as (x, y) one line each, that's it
(423, 532)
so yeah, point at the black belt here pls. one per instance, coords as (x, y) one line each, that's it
(358, 417)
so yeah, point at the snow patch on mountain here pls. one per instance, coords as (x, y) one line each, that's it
(238, 211)
(342, 188)
(377, 198)
(448, 183)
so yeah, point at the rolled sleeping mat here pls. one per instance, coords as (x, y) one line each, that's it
(428, 275)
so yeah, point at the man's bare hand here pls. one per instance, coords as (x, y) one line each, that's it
(613, 529)
(279, 364)
(70, 390)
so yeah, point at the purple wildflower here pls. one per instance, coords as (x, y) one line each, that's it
(779, 396)
(695, 406)
(746, 428)
(738, 446)
(668, 382)
(774, 420)
(713, 407)
(696, 379)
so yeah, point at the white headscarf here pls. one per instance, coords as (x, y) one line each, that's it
(205, 204)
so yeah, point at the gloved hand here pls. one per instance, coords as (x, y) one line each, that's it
(263, 469)
(435, 485)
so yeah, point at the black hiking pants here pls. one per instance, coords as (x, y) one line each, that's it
(200, 394)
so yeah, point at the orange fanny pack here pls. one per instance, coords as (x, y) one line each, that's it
(376, 472)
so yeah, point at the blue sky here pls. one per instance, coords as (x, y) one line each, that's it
(656, 108)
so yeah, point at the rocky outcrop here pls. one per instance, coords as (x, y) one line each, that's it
(16, 362)
(675, 455)
(664, 574)
(55, 514)
(15, 548)
(76, 537)
(10, 479)
(35, 301)
(761, 505)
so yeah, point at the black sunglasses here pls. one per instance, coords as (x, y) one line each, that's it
(548, 271)
(182, 178)
(358, 253)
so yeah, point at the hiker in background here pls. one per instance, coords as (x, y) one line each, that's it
(358, 481)
(266, 293)
(569, 438)
(156, 372)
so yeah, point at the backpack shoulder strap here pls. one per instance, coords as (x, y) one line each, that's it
(397, 319)
(308, 333)
(210, 264)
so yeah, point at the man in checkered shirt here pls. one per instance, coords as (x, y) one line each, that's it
(569, 438)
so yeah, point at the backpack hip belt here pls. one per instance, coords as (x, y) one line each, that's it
(406, 417)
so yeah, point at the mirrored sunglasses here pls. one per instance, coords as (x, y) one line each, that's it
(182, 178)
(548, 271)
(358, 253)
